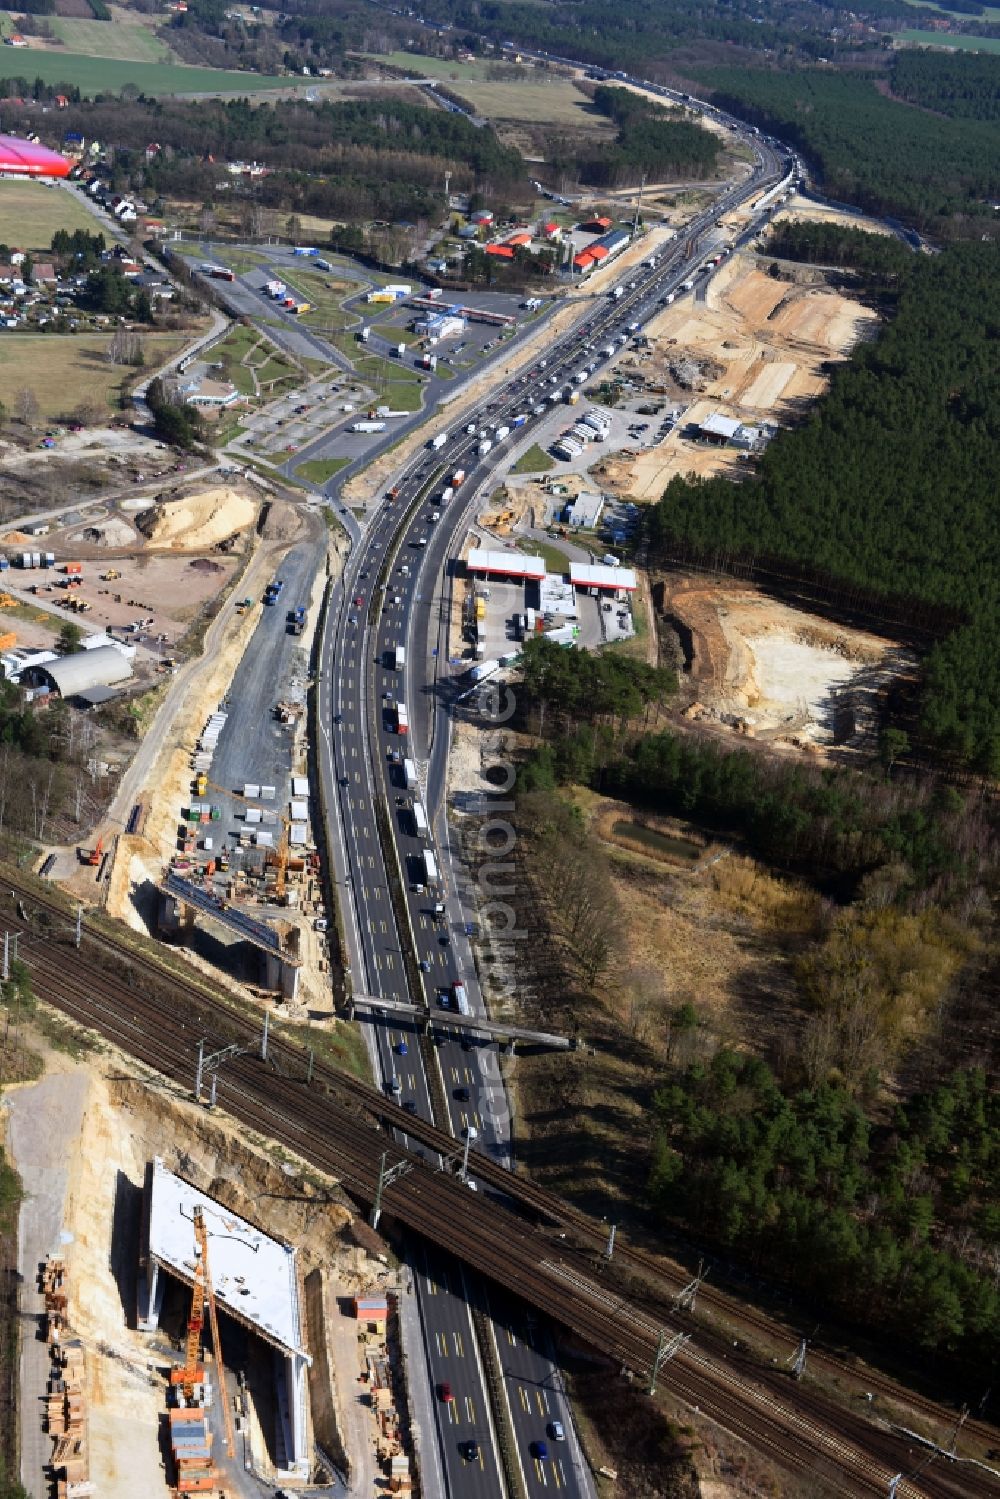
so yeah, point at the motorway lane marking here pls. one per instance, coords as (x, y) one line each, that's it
(543, 1402)
(459, 1345)
(559, 1474)
(522, 1395)
(540, 1473)
(470, 1410)
(442, 1343)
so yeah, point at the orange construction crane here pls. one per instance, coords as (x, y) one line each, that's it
(193, 1371)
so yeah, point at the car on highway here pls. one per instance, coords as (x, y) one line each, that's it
(462, 1095)
(555, 1431)
(470, 1451)
(359, 599)
(445, 1394)
(425, 967)
(540, 1451)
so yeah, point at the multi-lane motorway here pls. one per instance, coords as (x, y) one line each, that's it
(389, 597)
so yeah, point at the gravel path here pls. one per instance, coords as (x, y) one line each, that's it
(44, 1122)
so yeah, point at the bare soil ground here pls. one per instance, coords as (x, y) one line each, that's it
(125, 1123)
(762, 344)
(771, 672)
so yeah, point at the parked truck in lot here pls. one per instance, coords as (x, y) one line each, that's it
(367, 427)
(400, 655)
(296, 620)
(402, 719)
(410, 774)
(430, 867)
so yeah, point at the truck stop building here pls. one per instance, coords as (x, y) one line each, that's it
(605, 579)
(255, 1281)
(482, 563)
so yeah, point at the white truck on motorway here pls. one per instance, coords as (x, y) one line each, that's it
(400, 655)
(430, 867)
(410, 774)
(439, 441)
(420, 820)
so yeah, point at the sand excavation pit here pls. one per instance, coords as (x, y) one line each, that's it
(770, 672)
(762, 345)
(198, 520)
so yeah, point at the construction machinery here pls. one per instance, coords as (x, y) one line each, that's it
(192, 1372)
(7, 602)
(109, 574)
(92, 856)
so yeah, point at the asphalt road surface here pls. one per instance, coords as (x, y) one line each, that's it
(388, 598)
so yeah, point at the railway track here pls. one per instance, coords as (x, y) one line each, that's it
(342, 1132)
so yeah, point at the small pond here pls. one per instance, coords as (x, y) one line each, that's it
(661, 843)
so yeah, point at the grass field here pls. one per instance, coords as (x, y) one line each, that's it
(555, 560)
(64, 373)
(105, 39)
(319, 470)
(991, 13)
(96, 75)
(534, 461)
(540, 97)
(949, 39)
(30, 213)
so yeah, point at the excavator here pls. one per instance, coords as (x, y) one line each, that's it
(92, 856)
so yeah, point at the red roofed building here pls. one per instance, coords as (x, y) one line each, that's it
(519, 240)
(503, 252)
(597, 252)
(28, 159)
(597, 226)
(584, 261)
(551, 231)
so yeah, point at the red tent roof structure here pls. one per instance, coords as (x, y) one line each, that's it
(27, 159)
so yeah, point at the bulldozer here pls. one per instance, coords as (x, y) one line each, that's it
(109, 574)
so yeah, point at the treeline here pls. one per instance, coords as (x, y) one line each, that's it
(942, 175)
(175, 421)
(890, 486)
(895, 1226)
(830, 825)
(586, 686)
(879, 257)
(651, 142)
(964, 85)
(643, 35)
(354, 160)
